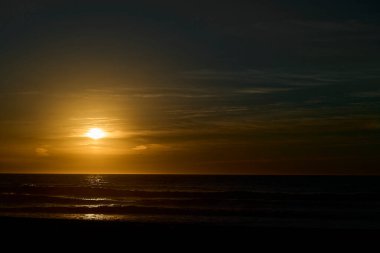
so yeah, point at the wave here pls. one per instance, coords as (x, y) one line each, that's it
(20, 199)
(35, 199)
(189, 201)
(101, 192)
(138, 210)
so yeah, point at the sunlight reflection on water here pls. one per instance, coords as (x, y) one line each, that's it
(92, 216)
(97, 199)
(95, 180)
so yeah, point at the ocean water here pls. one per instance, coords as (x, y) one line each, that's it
(248, 201)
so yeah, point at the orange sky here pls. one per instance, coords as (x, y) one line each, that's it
(260, 87)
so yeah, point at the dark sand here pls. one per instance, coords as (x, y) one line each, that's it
(116, 230)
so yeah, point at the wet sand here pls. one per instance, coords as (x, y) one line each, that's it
(74, 229)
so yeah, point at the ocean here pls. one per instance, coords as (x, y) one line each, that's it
(344, 202)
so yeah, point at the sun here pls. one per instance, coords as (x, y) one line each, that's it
(96, 133)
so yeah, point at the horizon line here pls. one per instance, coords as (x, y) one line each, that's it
(184, 174)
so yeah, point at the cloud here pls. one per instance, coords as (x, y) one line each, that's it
(152, 146)
(290, 30)
(41, 151)
(367, 94)
(173, 95)
(140, 148)
(269, 76)
(263, 90)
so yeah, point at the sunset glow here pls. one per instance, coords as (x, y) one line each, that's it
(248, 87)
(95, 133)
(128, 120)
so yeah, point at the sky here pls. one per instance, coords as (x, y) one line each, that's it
(200, 87)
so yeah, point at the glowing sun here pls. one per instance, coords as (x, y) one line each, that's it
(96, 133)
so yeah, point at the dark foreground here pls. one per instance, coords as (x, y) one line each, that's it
(187, 201)
(79, 230)
(166, 210)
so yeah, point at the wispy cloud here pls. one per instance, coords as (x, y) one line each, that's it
(42, 151)
(367, 94)
(269, 77)
(305, 29)
(140, 148)
(263, 90)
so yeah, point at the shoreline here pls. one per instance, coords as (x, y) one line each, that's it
(26, 223)
(90, 234)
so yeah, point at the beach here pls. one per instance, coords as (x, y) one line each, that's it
(115, 234)
(189, 206)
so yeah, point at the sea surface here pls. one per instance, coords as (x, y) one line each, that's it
(248, 201)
